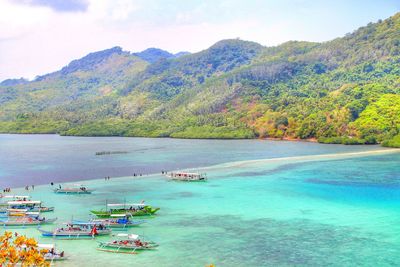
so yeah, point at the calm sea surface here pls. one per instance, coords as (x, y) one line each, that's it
(266, 203)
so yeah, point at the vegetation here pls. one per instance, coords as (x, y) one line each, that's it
(20, 249)
(344, 91)
(394, 142)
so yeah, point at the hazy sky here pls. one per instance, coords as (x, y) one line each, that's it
(41, 36)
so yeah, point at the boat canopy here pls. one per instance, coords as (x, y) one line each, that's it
(43, 246)
(33, 213)
(130, 236)
(16, 197)
(126, 204)
(186, 173)
(24, 202)
(17, 210)
(84, 223)
(46, 246)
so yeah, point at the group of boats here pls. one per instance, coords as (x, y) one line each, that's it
(17, 211)
(22, 211)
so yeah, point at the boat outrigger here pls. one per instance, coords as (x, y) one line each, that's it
(76, 189)
(127, 243)
(187, 176)
(78, 230)
(136, 209)
(29, 219)
(120, 221)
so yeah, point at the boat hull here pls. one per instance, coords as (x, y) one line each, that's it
(72, 192)
(33, 223)
(74, 234)
(126, 249)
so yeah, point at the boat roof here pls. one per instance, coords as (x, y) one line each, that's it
(33, 213)
(125, 204)
(83, 223)
(130, 236)
(48, 246)
(45, 246)
(188, 173)
(24, 202)
(17, 210)
(15, 196)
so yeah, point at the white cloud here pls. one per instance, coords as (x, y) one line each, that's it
(37, 39)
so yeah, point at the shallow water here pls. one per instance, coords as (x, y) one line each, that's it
(41, 159)
(341, 209)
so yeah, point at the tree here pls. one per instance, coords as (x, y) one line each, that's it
(20, 249)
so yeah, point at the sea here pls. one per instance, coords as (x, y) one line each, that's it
(265, 203)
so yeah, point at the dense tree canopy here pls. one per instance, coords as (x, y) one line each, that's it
(343, 91)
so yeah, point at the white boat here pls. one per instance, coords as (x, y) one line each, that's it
(187, 176)
(4, 199)
(29, 219)
(50, 253)
(29, 205)
(127, 243)
(75, 189)
(77, 230)
(120, 221)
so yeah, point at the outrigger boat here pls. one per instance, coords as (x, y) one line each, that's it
(30, 205)
(4, 199)
(75, 230)
(50, 253)
(76, 189)
(187, 176)
(120, 221)
(127, 243)
(30, 219)
(136, 209)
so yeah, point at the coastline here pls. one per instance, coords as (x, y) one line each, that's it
(239, 164)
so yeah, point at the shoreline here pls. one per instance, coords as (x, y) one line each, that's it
(287, 139)
(287, 160)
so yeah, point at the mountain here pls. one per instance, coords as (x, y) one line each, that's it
(152, 55)
(342, 91)
(182, 53)
(11, 82)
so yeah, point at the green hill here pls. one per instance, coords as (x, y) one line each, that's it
(343, 91)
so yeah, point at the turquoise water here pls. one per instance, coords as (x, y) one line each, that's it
(337, 209)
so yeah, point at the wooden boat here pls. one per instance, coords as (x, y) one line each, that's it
(136, 209)
(75, 230)
(27, 220)
(187, 176)
(76, 189)
(50, 253)
(127, 243)
(4, 199)
(120, 221)
(30, 205)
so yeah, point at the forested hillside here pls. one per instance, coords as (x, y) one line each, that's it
(343, 91)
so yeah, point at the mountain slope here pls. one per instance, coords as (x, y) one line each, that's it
(334, 91)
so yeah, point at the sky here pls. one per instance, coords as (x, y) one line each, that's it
(41, 36)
